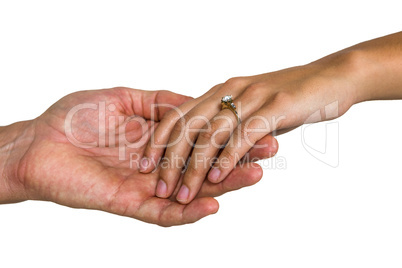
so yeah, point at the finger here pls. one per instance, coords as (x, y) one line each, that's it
(181, 141)
(245, 136)
(283, 131)
(131, 141)
(243, 176)
(210, 141)
(264, 148)
(180, 145)
(167, 213)
(246, 175)
(151, 105)
(155, 104)
(157, 145)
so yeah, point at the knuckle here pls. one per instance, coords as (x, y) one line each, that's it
(207, 134)
(120, 91)
(227, 156)
(120, 88)
(155, 142)
(281, 98)
(217, 124)
(164, 91)
(256, 88)
(180, 125)
(180, 131)
(281, 103)
(193, 170)
(186, 118)
(246, 136)
(209, 130)
(177, 129)
(172, 115)
(165, 219)
(235, 82)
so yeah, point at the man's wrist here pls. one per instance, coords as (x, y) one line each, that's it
(15, 140)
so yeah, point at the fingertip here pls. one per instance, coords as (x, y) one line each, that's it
(257, 173)
(196, 210)
(264, 148)
(274, 146)
(148, 163)
(183, 195)
(161, 189)
(216, 207)
(244, 176)
(144, 164)
(205, 206)
(212, 206)
(251, 174)
(214, 175)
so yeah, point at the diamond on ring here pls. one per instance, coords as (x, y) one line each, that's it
(227, 103)
(227, 98)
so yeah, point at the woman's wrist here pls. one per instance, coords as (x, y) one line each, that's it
(353, 72)
(15, 140)
(373, 68)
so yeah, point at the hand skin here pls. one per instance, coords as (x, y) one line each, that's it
(271, 103)
(38, 161)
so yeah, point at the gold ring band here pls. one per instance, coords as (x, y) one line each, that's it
(227, 103)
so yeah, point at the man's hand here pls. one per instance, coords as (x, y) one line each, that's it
(84, 152)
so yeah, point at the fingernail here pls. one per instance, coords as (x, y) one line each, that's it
(161, 189)
(183, 193)
(144, 164)
(214, 174)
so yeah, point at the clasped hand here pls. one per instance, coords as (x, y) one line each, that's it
(214, 137)
(83, 152)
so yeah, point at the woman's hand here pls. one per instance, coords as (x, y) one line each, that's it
(268, 103)
(265, 103)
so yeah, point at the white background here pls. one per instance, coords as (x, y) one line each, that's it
(307, 215)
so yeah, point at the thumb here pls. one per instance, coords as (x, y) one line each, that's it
(155, 104)
(168, 100)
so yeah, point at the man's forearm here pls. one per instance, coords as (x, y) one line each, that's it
(14, 142)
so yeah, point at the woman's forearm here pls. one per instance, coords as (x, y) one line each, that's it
(375, 66)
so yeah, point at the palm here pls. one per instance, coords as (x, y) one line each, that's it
(102, 177)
